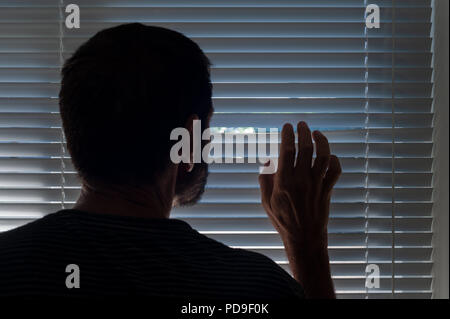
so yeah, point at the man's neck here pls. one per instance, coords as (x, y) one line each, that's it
(146, 202)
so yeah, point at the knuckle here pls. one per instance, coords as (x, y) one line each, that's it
(308, 148)
(318, 161)
(323, 162)
(289, 150)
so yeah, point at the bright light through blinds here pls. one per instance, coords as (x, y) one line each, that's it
(275, 61)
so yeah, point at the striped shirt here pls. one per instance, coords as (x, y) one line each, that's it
(119, 255)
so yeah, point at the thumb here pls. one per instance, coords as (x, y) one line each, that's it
(266, 185)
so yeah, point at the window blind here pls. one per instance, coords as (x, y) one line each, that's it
(279, 61)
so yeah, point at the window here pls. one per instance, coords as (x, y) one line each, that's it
(277, 61)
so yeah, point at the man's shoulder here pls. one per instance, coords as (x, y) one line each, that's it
(247, 257)
(256, 268)
(24, 231)
(42, 235)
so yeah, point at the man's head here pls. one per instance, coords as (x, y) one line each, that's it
(122, 93)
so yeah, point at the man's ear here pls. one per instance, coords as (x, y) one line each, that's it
(189, 125)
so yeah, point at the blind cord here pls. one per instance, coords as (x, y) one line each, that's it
(367, 149)
(393, 151)
(62, 137)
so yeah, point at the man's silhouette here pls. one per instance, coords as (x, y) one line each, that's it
(122, 93)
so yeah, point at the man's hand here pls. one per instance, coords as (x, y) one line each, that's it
(297, 200)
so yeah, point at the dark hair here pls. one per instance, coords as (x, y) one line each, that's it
(122, 93)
